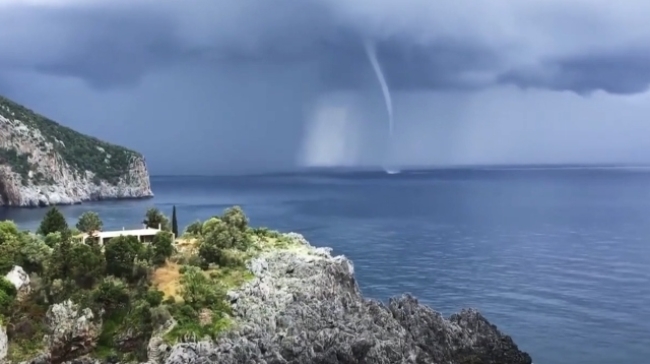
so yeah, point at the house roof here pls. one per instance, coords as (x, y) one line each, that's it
(116, 233)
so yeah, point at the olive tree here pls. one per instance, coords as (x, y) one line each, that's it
(89, 222)
(155, 219)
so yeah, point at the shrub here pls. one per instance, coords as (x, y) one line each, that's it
(199, 291)
(8, 231)
(220, 238)
(163, 247)
(53, 239)
(154, 297)
(33, 253)
(111, 295)
(141, 271)
(7, 287)
(235, 217)
(88, 265)
(120, 253)
(194, 228)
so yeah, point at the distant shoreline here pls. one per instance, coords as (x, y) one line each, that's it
(101, 199)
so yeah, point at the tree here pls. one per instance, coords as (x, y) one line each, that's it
(87, 265)
(89, 222)
(120, 253)
(235, 217)
(8, 231)
(222, 234)
(111, 294)
(174, 222)
(194, 228)
(32, 253)
(61, 260)
(52, 222)
(163, 247)
(9, 246)
(155, 219)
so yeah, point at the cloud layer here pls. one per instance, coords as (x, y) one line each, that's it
(212, 87)
(575, 45)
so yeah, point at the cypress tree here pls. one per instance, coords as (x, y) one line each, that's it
(174, 222)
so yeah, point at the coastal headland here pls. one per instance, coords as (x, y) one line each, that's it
(44, 163)
(223, 292)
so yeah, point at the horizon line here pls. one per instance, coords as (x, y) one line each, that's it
(408, 168)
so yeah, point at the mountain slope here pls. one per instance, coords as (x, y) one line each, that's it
(44, 163)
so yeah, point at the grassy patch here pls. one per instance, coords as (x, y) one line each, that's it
(188, 328)
(167, 279)
(25, 349)
(231, 277)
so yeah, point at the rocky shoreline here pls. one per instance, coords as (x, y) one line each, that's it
(70, 189)
(304, 306)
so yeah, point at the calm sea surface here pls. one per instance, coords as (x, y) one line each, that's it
(559, 259)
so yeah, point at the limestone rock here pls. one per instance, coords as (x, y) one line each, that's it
(304, 306)
(4, 344)
(19, 278)
(72, 332)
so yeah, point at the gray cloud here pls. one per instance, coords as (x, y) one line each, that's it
(574, 45)
(619, 73)
(222, 86)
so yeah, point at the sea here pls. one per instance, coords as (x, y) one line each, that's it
(558, 258)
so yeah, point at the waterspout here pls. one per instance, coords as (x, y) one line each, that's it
(371, 52)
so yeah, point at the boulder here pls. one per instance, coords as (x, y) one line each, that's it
(19, 278)
(72, 332)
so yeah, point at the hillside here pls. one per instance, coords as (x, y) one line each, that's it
(44, 163)
(229, 293)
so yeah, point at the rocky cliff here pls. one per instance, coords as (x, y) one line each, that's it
(43, 163)
(303, 306)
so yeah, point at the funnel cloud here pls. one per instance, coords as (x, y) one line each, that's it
(231, 86)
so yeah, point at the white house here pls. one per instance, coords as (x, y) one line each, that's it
(144, 235)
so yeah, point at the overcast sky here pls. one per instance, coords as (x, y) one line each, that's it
(214, 87)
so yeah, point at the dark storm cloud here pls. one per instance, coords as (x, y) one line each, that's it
(106, 47)
(620, 73)
(443, 65)
(574, 45)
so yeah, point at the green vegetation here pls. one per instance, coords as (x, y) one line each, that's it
(19, 162)
(134, 287)
(89, 222)
(53, 222)
(155, 219)
(83, 153)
